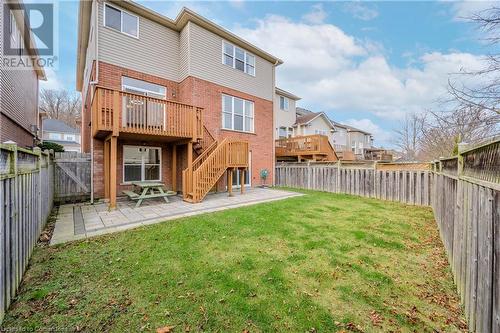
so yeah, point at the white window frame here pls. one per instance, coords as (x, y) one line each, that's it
(232, 114)
(146, 91)
(142, 164)
(286, 103)
(245, 62)
(121, 20)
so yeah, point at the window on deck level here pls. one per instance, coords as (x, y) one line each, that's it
(237, 114)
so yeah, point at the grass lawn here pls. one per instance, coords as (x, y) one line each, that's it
(321, 262)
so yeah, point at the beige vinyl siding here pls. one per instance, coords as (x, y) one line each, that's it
(184, 53)
(155, 52)
(320, 124)
(283, 118)
(91, 52)
(205, 62)
(18, 92)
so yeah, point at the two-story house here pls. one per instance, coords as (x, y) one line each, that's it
(183, 102)
(359, 141)
(59, 132)
(19, 120)
(284, 113)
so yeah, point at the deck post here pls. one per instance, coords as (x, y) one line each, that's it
(230, 181)
(242, 180)
(174, 168)
(190, 154)
(106, 168)
(112, 172)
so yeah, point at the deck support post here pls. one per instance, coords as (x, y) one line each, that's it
(190, 154)
(112, 171)
(242, 180)
(106, 153)
(230, 181)
(174, 168)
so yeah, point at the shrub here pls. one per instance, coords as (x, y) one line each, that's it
(51, 145)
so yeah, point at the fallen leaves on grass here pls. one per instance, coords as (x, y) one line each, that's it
(165, 329)
(376, 318)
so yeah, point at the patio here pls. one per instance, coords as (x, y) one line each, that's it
(79, 221)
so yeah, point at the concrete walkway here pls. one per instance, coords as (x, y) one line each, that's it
(81, 221)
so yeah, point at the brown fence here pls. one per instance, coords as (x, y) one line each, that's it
(466, 203)
(26, 198)
(72, 176)
(411, 184)
(464, 192)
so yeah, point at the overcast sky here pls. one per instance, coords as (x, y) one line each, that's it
(363, 63)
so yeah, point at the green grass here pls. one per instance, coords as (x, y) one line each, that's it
(321, 262)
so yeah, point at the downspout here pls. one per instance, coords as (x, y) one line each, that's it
(274, 123)
(91, 84)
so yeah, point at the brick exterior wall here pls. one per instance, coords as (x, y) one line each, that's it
(196, 92)
(11, 131)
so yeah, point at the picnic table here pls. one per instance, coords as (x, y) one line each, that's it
(148, 190)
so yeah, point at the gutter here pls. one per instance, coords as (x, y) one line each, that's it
(91, 84)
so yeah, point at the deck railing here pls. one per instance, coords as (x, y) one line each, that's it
(120, 111)
(305, 145)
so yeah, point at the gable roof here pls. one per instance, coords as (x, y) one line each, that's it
(285, 93)
(185, 15)
(308, 117)
(55, 125)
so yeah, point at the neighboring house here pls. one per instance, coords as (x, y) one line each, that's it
(284, 113)
(57, 131)
(159, 92)
(310, 123)
(19, 120)
(359, 141)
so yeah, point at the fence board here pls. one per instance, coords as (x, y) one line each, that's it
(25, 204)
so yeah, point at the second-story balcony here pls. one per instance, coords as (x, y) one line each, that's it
(121, 113)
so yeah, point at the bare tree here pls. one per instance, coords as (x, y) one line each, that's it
(408, 136)
(482, 93)
(60, 104)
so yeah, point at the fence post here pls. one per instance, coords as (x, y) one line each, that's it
(339, 163)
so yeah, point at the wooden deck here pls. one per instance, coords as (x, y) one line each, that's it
(307, 147)
(126, 114)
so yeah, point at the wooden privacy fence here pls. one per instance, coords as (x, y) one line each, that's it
(464, 192)
(410, 184)
(26, 198)
(466, 203)
(72, 176)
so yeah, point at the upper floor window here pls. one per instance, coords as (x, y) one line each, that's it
(321, 132)
(121, 20)
(54, 136)
(284, 103)
(238, 58)
(237, 114)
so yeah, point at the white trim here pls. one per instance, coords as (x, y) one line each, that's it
(124, 86)
(142, 165)
(286, 106)
(245, 53)
(121, 19)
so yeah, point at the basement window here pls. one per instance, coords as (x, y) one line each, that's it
(141, 163)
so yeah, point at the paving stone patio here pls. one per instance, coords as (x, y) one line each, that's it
(79, 221)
